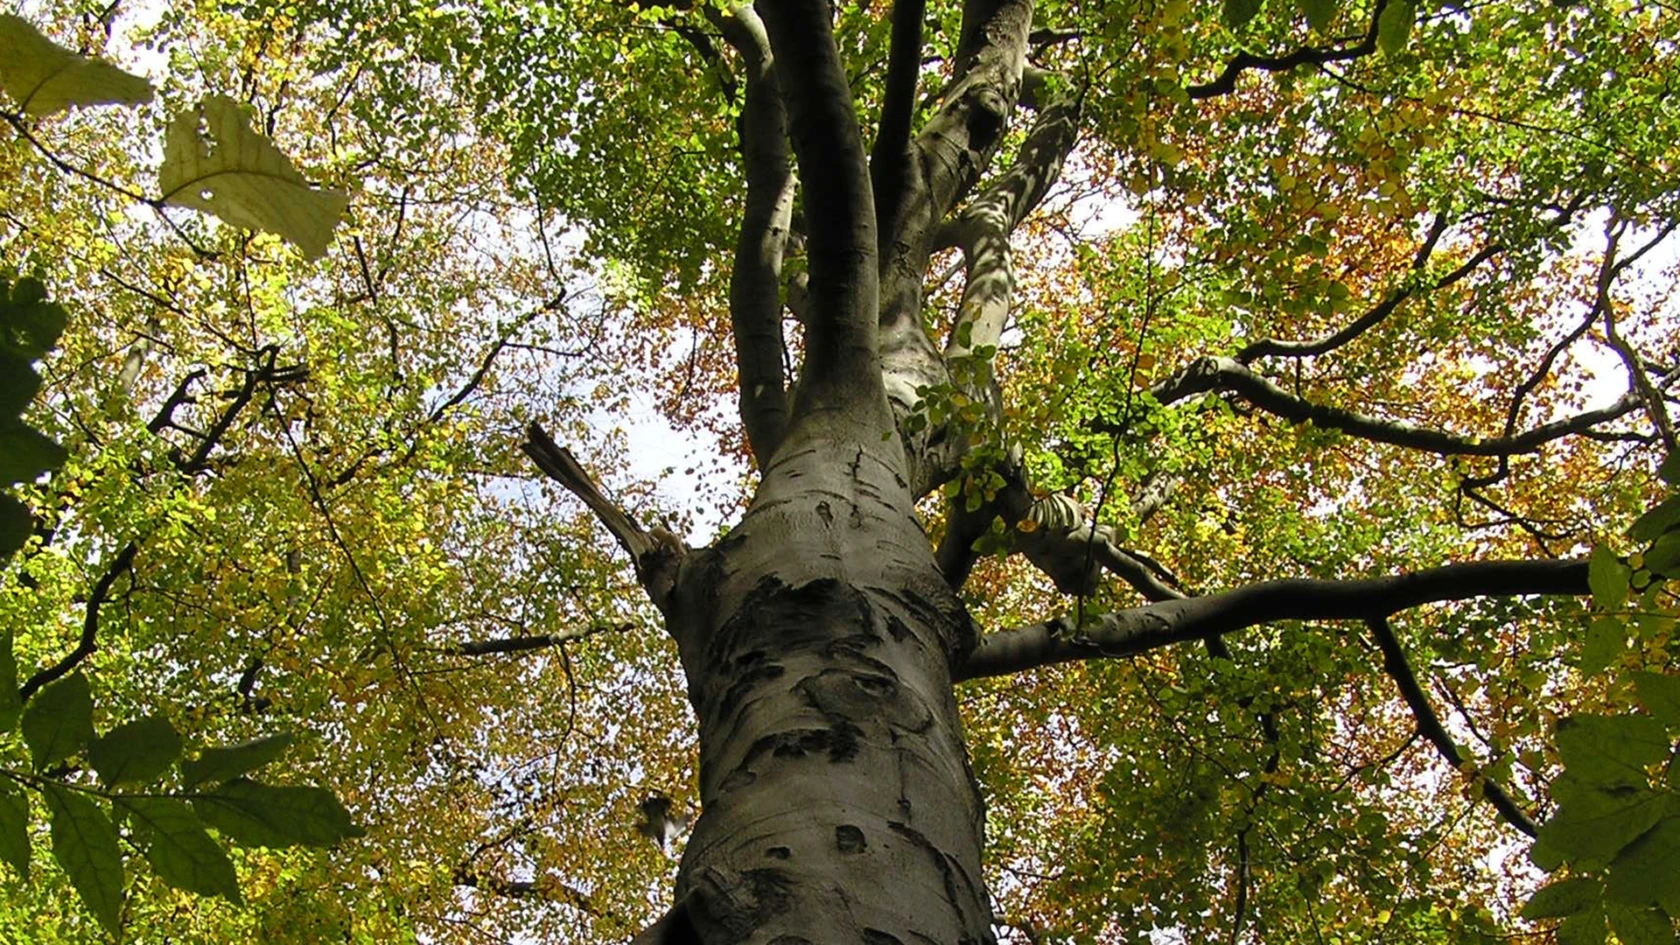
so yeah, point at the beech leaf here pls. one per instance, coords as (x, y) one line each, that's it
(1394, 27)
(180, 849)
(85, 844)
(216, 765)
(262, 815)
(137, 752)
(43, 77)
(214, 162)
(58, 722)
(14, 829)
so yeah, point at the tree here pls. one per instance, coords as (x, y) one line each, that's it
(1236, 363)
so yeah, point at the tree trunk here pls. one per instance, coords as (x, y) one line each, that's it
(818, 639)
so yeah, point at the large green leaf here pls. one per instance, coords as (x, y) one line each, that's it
(1564, 898)
(136, 752)
(1238, 12)
(11, 703)
(58, 722)
(15, 526)
(215, 765)
(29, 324)
(1636, 926)
(85, 844)
(1595, 823)
(1611, 749)
(1319, 13)
(14, 828)
(1394, 26)
(266, 816)
(1605, 637)
(1607, 578)
(43, 77)
(1648, 871)
(213, 161)
(25, 453)
(1660, 694)
(179, 848)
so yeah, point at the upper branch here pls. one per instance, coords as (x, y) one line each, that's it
(841, 356)
(1137, 629)
(1226, 82)
(889, 162)
(1226, 374)
(755, 307)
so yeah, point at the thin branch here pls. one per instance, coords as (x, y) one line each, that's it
(89, 641)
(1139, 629)
(1227, 374)
(1398, 669)
(1226, 82)
(524, 644)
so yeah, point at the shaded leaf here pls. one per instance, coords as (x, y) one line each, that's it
(1607, 577)
(215, 765)
(137, 752)
(1584, 928)
(180, 849)
(1660, 695)
(1648, 871)
(1563, 898)
(1652, 524)
(1595, 823)
(1611, 749)
(1394, 27)
(58, 722)
(44, 77)
(14, 828)
(1319, 13)
(266, 816)
(11, 702)
(26, 453)
(1239, 12)
(85, 844)
(15, 526)
(214, 162)
(1640, 926)
(1605, 637)
(29, 324)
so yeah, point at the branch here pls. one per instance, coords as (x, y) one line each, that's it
(842, 360)
(1226, 374)
(544, 888)
(1226, 82)
(524, 644)
(120, 565)
(889, 161)
(1394, 662)
(755, 307)
(655, 553)
(1138, 629)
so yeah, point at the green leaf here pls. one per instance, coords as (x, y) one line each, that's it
(14, 828)
(1647, 872)
(1611, 749)
(58, 722)
(11, 702)
(137, 752)
(1239, 12)
(1394, 27)
(1652, 524)
(1320, 13)
(44, 78)
(215, 765)
(85, 845)
(1670, 469)
(1595, 823)
(1660, 695)
(26, 453)
(1607, 577)
(214, 162)
(29, 324)
(1663, 557)
(18, 384)
(1640, 926)
(15, 526)
(1605, 638)
(1584, 928)
(1563, 898)
(266, 816)
(179, 848)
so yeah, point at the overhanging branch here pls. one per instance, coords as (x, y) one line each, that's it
(1139, 629)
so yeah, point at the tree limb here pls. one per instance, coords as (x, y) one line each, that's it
(524, 644)
(755, 307)
(842, 359)
(1138, 629)
(119, 565)
(1428, 723)
(1226, 374)
(1226, 82)
(889, 160)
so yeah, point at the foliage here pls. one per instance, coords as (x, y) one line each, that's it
(312, 455)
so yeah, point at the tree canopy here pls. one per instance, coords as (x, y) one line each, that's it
(1285, 388)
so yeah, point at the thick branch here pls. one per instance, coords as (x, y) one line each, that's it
(1138, 629)
(1226, 374)
(842, 360)
(1398, 669)
(755, 306)
(889, 161)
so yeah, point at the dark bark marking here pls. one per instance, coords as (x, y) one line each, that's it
(778, 853)
(840, 743)
(848, 838)
(878, 937)
(940, 860)
(739, 778)
(825, 513)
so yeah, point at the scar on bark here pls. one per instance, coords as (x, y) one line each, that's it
(655, 552)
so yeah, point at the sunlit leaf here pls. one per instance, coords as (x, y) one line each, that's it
(43, 77)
